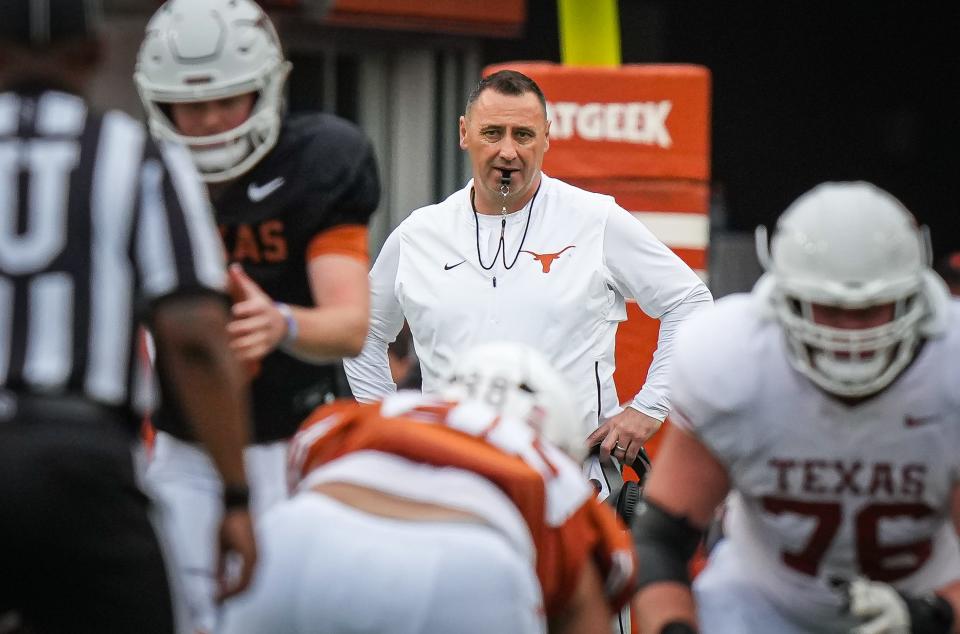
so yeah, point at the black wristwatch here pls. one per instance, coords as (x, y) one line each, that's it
(678, 627)
(236, 497)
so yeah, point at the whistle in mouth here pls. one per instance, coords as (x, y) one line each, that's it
(504, 182)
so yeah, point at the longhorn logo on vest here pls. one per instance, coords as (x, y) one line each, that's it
(641, 122)
(546, 259)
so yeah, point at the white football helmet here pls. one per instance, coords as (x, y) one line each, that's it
(850, 245)
(201, 50)
(519, 382)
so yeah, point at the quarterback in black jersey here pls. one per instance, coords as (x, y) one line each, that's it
(293, 223)
(292, 197)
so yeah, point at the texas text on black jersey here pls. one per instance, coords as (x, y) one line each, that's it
(321, 176)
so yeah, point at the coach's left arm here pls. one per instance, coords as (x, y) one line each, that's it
(642, 268)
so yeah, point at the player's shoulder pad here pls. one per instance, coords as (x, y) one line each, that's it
(329, 147)
(403, 401)
(321, 421)
(949, 342)
(131, 130)
(119, 116)
(340, 409)
(716, 363)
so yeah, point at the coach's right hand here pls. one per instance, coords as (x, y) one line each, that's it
(238, 553)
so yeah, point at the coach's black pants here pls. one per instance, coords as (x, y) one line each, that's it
(77, 551)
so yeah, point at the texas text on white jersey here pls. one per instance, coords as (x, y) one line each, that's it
(822, 488)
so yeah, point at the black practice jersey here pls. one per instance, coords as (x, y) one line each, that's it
(321, 174)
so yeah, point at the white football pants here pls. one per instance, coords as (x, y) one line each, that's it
(327, 567)
(183, 480)
(729, 601)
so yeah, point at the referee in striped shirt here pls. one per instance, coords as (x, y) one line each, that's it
(99, 228)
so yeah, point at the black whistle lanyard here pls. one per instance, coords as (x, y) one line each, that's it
(501, 245)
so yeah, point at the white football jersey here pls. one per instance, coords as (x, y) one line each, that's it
(822, 488)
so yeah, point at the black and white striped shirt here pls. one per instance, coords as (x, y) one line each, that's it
(96, 224)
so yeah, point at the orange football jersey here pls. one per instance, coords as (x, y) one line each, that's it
(567, 525)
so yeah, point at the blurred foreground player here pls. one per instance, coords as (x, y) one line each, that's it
(826, 400)
(99, 228)
(292, 196)
(459, 513)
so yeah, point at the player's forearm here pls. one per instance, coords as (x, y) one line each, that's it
(208, 383)
(211, 392)
(586, 611)
(681, 497)
(658, 604)
(327, 333)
